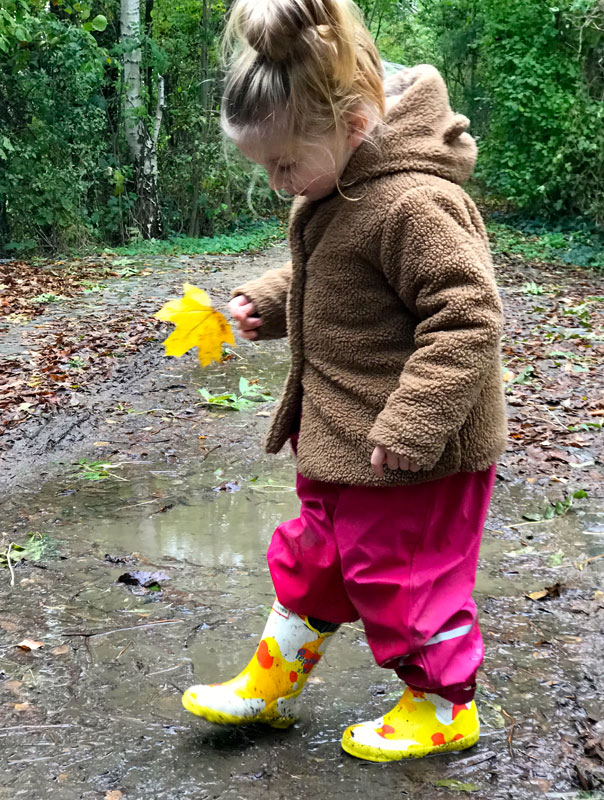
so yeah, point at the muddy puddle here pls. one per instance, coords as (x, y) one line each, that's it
(97, 708)
(191, 498)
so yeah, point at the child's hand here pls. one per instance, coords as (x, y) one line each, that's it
(244, 311)
(381, 456)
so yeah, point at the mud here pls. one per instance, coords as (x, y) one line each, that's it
(142, 383)
(96, 710)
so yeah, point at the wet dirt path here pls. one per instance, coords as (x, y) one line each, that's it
(96, 712)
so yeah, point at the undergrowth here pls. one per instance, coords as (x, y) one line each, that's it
(248, 238)
(566, 242)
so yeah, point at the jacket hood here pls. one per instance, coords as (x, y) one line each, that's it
(420, 133)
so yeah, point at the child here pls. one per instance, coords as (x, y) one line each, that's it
(394, 400)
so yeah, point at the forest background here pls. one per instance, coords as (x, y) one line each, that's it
(110, 136)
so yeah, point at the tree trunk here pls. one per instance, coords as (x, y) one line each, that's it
(142, 145)
(4, 227)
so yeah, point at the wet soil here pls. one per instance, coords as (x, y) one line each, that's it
(95, 711)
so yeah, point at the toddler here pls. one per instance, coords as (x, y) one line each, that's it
(394, 400)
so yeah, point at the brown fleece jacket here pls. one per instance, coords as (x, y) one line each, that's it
(391, 307)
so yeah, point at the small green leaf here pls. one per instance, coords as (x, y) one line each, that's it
(99, 23)
(556, 558)
(562, 354)
(458, 786)
(580, 494)
(532, 517)
(550, 512)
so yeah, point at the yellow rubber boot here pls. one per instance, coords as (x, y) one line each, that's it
(420, 724)
(267, 688)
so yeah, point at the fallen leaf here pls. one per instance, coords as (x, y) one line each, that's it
(149, 580)
(114, 794)
(163, 509)
(594, 748)
(227, 486)
(61, 650)
(457, 786)
(549, 591)
(30, 644)
(198, 324)
(23, 706)
(118, 559)
(101, 444)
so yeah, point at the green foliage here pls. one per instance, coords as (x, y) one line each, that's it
(249, 395)
(248, 238)
(583, 247)
(53, 126)
(558, 509)
(545, 140)
(47, 297)
(529, 75)
(36, 547)
(95, 470)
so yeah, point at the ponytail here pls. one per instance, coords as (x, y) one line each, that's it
(299, 63)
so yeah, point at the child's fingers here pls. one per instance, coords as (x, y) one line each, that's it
(247, 310)
(405, 464)
(377, 460)
(250, 323)
(241, 307)
(392, 459)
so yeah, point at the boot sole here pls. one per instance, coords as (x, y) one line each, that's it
(270, 715)
(368, 753)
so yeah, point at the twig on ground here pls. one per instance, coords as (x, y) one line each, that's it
(10, 566)
(88, 635)
(580, 564)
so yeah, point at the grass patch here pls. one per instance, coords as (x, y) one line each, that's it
(250, 237)
(534, 241)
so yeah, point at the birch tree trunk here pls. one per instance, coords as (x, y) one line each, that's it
(142, 143)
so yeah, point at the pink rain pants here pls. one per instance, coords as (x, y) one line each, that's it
(402, 559)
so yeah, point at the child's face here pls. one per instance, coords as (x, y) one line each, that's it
(309, 169)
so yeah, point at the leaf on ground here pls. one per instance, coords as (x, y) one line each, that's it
(111, 559)
(148, 580)
(30, 644)
(457, 786)
(227, 486)
(532, 517)
(549, 591)
(198, 324)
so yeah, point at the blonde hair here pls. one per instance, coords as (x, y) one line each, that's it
(301, 65)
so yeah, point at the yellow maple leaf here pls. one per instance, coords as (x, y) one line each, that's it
(198, 324)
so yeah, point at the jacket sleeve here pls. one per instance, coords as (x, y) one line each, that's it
(435, 256)
(269, 294)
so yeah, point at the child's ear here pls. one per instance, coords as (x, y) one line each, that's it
(357, 123)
